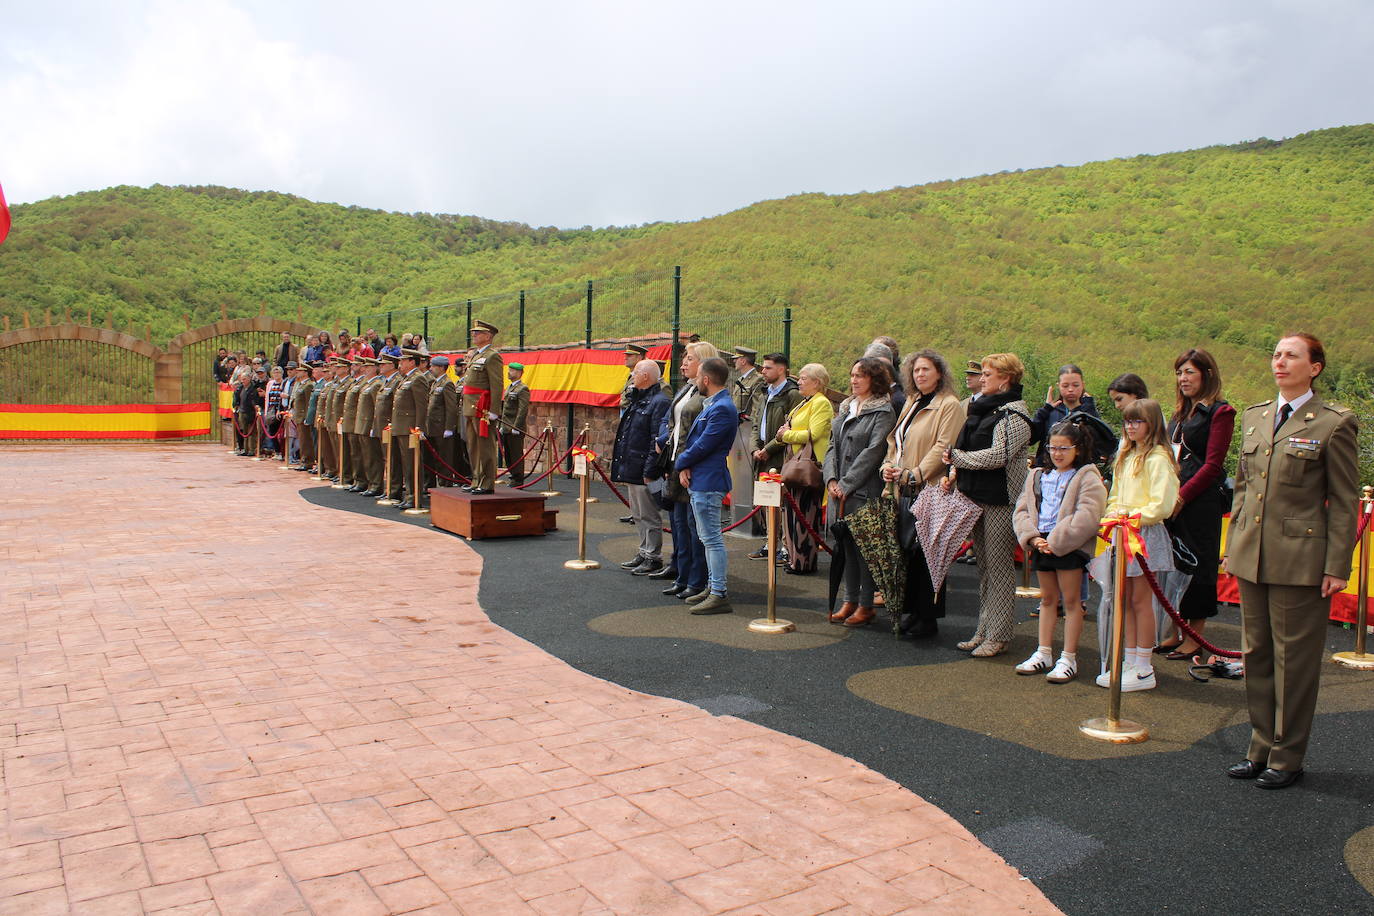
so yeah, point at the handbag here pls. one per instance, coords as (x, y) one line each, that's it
(801, 472)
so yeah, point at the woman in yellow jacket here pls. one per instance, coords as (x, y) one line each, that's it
(929, 424)
(807, 424)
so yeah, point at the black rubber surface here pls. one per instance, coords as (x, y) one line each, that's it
(1125, 833)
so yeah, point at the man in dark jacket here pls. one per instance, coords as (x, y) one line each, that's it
(635, 462)
(773, 401)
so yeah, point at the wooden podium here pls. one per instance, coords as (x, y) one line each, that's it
(503, 514)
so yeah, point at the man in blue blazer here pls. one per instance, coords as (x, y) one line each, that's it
(701, 468)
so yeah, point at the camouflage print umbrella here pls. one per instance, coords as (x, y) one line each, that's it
(944, 520)
(874, 529)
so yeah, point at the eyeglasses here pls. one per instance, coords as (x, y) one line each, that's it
(1062, 448)
(1134, 422)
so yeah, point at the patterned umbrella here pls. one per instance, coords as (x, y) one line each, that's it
(874, 529)
(943, 522)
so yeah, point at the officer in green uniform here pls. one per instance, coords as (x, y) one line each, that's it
(442, 420)
(515, 408)
(1293, 522)
(481, 386)
(356, 474)
(300, 407)
(633, 354)
(381, 420)
(369, 449)
(332, 399)
(408, 407)
(747, 383)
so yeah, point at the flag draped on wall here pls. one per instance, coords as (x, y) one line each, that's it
(4, 216)
(593, 378)
(226, 400)
(112, 421)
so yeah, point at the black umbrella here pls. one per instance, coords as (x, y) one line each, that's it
(839, 529)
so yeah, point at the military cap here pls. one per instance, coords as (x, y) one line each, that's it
(635, 350)
(342, 361)
(389, 357)
(369, 361)
(408, 353)
(291, 364)
(726, 354)
(972, 366)
(440, 361)
(749, 352)
(520, 366)
(485, 326)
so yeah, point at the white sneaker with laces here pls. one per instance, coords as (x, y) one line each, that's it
(1138, 680)
(1063, 671)
(1105, 678)
(1037, 663)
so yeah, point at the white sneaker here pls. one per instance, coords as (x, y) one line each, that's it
(1138, 680)
(1035, 664)
(1063, 671)
(1105, 678)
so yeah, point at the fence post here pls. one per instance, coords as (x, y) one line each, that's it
(522, 319)
(426, 335)
(787, 332)
(359, 331)
(469, 325)
(388, 322)
(675, 375)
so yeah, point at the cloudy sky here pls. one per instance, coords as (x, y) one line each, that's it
(597, 112)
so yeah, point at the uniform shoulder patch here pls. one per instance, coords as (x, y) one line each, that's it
(1336, 408)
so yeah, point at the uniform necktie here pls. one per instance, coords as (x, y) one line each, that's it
(1284, 413)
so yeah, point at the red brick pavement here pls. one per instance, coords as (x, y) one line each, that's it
(210, 705)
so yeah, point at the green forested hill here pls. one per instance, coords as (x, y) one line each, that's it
(1116, 265)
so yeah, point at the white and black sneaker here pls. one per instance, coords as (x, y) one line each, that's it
(1037, 663)
(1064, 671)
(1138, 680)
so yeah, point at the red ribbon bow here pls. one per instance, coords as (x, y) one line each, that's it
(586, 452)
(770, 477)
(1130, 524)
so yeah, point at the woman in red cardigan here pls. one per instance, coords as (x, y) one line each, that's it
(1200, 432)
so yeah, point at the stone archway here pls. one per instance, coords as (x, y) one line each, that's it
(76, 364)
(170, 370)
(73, 331)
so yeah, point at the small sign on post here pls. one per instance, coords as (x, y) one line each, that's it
(768, 495)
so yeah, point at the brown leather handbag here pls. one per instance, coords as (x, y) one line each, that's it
(801, 471)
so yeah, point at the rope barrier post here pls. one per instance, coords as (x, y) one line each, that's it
(257, 436)
(1113, 728)
(582, 469)
(341, 458)
(419, 481)
(586, 438)
(1025, 589)
(549, 459)
(1358, 659)
(768, 492)
(285, 447)
(386, 499)
(320, 431)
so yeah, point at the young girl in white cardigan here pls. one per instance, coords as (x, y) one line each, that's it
(1056, 522)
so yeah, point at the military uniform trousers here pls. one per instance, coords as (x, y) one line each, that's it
(371, 449)
(514, 445)
(307, 445)
(408, 466)
(324, 442)
(482, 453)
(1284, 629)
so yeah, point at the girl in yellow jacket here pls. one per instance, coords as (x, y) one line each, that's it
(1145, 483)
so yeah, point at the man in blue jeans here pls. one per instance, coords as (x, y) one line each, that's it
(701, 468)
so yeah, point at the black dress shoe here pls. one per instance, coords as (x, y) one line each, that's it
(406, 505)
(1277, 779)
(627, 519)
(372, 492)
(634, 562)
(667, 572)
(672, 590)
(1246, 769)
(924, 629)
(466, 488)
(355, 489)
(687, 591)
(481, 491)
(648, 568)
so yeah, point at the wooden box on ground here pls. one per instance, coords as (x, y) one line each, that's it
(503, 514)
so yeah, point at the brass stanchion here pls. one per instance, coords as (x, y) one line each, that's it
(586, 441)
(582, 468)
(320, 432)
(257, 435)
(285, 449)
(771, 623)
(342, 459)
(1113, 728)
(1358, 659)
(550, 447)
(418, 481)
(386, 499)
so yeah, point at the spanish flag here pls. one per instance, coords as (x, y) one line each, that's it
(593, 378)
(113, 421)
(4, 216)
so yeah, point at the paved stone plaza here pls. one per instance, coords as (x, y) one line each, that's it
(220, 698)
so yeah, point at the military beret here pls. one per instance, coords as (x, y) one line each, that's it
(440, 361)
(519, 366)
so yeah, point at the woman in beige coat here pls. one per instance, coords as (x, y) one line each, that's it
(929, 424)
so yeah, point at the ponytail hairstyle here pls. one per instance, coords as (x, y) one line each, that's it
(1146, 409)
